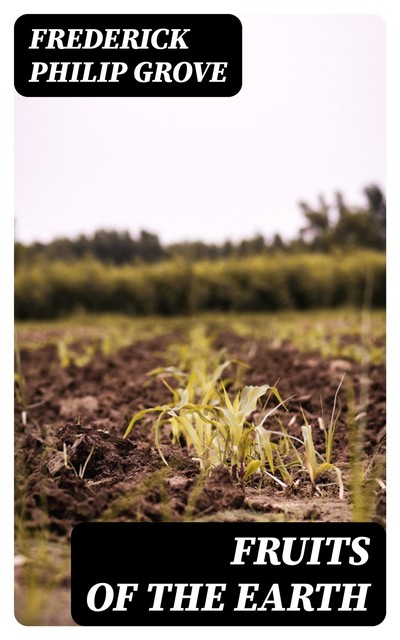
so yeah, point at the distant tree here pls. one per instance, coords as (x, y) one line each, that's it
(327, 226)
(227, 249)
(317, 231)
(60, 249)
(251, 247)
(112, 247)
(82, 246)
(277, 243)
(149, 248)
(377, 208)
(353, 229)
(362, 227)
(20, 253)
(345, 226)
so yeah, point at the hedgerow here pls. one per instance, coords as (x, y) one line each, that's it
(262, 283)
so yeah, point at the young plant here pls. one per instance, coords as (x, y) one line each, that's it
(330, 431)
(79, 473)
(68, 356)
(219, 429)
(236, 433)
(314, 468)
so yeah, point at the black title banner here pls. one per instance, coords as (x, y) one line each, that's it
(128, 55)
(228, 574)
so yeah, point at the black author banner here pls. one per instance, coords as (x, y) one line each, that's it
(228, 574)
(128, 55)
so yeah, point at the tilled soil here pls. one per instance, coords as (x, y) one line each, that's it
(74, 426)
(78, 416)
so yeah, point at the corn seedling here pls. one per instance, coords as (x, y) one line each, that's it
(79, 473)
(329, 432)
(69, 357)
(236, 434)
(111, 342)
(218, 429)
(280, 458)
(314, 468)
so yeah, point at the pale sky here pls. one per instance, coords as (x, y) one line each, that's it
(310, 119)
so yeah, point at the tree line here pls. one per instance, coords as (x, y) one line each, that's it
(327, 227)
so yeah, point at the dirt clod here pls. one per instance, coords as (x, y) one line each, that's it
(219, 493)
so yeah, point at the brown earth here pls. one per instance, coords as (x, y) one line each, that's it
(79, 415)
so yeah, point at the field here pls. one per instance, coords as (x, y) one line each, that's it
(223, 417)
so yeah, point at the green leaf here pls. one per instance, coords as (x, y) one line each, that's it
(243, 443)
(251, 469)
(140, 415)
(249, 397)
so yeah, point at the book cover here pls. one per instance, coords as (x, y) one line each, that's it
(200, 318)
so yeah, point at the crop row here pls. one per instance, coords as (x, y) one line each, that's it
(50, 290)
